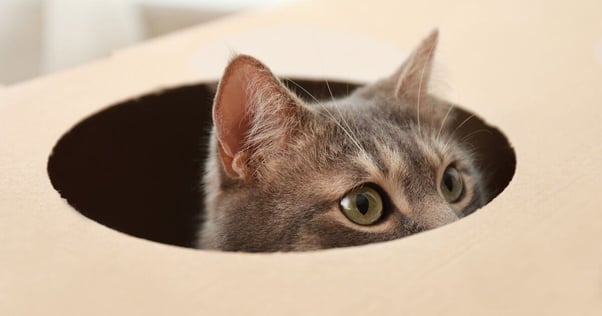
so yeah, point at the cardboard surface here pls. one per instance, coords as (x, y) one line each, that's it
(530, 68)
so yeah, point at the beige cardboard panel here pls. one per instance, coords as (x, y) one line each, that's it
(531, 68)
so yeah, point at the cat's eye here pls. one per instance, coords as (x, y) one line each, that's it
(363, 205)
(451, 185)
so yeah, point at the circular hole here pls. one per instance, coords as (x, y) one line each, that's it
(137, 166)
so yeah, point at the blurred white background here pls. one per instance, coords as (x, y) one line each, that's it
(41, 36)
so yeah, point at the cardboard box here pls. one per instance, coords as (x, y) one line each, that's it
(531, 69)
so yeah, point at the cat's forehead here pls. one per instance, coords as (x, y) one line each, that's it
(367, 110)
(372, 120)
(384, 136)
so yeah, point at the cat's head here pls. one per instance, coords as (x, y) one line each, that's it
(379, 164)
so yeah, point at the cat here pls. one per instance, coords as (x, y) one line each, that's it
(376, 165)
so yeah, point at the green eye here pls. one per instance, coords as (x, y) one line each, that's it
(363, 205)
(451, 185)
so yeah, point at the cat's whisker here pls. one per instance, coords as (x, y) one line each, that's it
(349, 130)
(336, 106)
(469, 148)
(471, 134)
(451, 107)
(305, 90)
(330, 115)
(457, 128)
(318, 103)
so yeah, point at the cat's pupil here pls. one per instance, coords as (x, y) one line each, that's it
(362, 203)
(448, 182)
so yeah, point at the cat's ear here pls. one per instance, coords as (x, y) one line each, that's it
(254, 115)
(413, 76)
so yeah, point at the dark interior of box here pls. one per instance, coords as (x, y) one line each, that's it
(136, 166)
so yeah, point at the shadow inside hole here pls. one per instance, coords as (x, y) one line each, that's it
(136, 166)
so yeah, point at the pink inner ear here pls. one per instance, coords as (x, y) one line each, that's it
(230, 110)
(235, 109)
